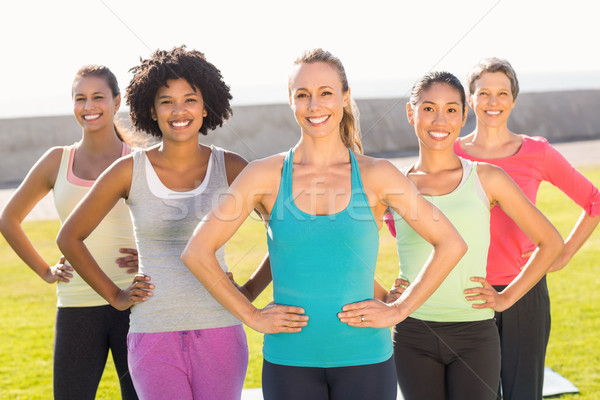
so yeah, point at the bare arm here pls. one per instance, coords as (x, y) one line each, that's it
(111, 186)
(261, 278)
(38, 182)
(502, 190)
(581, 232)
(397, 192)
(243, 196)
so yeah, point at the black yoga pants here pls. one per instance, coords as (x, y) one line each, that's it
(82, 339)
(447, 360)
(371, 381)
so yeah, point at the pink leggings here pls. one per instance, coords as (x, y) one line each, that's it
(200, 364)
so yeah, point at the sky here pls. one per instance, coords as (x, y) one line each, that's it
(384, 45)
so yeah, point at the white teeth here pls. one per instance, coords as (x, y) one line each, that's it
(439, 134)
(493, 112)
(180, 124)
(318, 120)
(93, 116)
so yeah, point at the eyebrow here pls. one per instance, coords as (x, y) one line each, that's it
(320, 87)
(93, 94)
(164, 96)
(431, 102)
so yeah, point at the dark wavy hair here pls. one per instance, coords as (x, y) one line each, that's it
(191, 65)
(427, 80)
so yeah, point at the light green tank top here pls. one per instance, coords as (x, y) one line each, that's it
(467, 208)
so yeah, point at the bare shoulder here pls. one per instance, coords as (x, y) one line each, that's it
(369, 163)
(234, 164)
(46, 168)
(234, 159)
(270, 166)
(489, 172)
(496, 183)
(379, 171)
(117, 177)
(52, 157)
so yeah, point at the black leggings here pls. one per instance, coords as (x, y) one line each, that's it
(524, 333)
(371, 381)
(82, 339)
(447, 360)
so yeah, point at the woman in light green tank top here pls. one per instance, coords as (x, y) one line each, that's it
(449, 348)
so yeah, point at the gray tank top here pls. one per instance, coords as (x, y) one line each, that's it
(163, 222)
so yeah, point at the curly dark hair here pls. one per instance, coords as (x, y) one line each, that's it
(191, 65)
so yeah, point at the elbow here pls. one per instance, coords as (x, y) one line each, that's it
(559, 246)
(5, 223)
(553, 245)
(64, 241)
(61, 241)
(186, 257)
(460, 246)
(2, 224)
(190, 258)
(463, 247)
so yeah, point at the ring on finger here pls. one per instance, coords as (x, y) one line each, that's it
(362, 318)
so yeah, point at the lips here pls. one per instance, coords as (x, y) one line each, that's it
(493, 113)
(439, 134)
(91, 117)
(180, 123)
(318, 120)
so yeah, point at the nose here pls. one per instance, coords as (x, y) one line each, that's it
(314, 103)
(493, 99)
(440, 117)
(178, 108)
(89, 103)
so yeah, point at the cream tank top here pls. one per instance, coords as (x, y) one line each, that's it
(114, 232)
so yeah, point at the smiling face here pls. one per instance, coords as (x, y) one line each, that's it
(179, 110)
(492, 99)
(317, 98)
(437, 116)
(94, 106)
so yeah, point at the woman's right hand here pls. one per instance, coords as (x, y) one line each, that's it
(59, 272)
(276, 318)
(396, 291)
(138, 291)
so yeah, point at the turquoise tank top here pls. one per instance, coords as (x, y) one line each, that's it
(468, 209)
(321, 263)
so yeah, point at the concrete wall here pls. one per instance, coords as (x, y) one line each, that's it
(258, 131)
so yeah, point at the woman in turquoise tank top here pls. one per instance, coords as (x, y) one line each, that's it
(324, 202)
(449, 348)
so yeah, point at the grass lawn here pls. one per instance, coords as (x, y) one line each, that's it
(28, 306)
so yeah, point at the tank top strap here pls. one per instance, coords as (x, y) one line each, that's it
(64, 163)
(287, 174)
(218, 167)
(357, 185)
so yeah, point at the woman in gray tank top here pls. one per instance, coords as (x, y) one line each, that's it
(182, 344)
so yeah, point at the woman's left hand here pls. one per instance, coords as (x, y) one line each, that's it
(130, 261)
(371, 314)
(492, 299)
